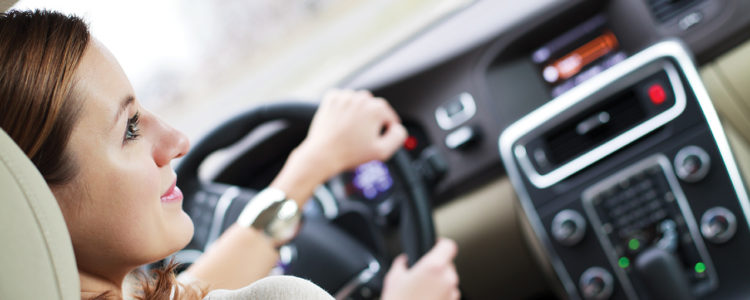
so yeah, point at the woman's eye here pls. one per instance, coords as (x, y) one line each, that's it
(131, 131)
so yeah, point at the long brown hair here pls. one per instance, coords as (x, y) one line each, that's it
(39, 53)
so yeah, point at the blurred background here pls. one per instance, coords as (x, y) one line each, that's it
(198, 62)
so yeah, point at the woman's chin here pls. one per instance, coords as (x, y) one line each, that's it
(180, 232)
(186, 229)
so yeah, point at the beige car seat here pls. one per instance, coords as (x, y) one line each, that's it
(37, 255)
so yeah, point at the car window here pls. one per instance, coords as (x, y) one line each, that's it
(204, 60)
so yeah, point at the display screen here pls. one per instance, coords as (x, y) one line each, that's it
(577, 55)
(371, 180)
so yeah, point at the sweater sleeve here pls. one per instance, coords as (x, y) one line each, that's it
(273, 288)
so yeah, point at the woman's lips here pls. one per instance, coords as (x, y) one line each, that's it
(173, 194)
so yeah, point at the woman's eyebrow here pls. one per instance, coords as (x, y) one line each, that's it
(127, 101)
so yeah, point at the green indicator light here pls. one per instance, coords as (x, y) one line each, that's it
(624, 262)
(700, 267)
(634, 244)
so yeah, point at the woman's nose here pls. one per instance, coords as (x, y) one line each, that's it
(170, 143)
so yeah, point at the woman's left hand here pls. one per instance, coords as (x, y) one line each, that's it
(434, 275)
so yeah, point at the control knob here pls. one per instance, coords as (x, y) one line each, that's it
(568, 227)
(692, 163)
(596, 284)
(718, 225)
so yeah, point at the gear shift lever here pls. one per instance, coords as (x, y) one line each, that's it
(660, 269)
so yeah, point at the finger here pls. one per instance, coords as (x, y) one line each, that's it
(362, 95)
(361, 100)
(330, 94)
(453, 271)
(387, 111)
(365, 93)
(443, 252)
(399, 265)
(451, 277)
(334, 100)
(456, 294)
(391, 140)
(346, 96)
(328, 97)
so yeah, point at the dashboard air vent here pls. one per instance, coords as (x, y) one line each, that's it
(594, 127)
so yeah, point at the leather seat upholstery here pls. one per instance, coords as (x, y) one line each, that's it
(37, 260)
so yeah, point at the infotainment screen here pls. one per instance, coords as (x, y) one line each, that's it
(577, 55)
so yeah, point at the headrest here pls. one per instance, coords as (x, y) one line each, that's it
(7, 4)
(37, 260)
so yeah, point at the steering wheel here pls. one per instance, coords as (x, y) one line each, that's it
(325, 251)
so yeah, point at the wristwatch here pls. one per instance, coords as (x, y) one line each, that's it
(271, 212)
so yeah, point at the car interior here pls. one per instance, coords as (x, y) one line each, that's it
(580, 150)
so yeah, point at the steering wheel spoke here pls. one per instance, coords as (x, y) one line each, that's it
(214, 208)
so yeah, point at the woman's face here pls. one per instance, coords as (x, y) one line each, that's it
(122, 209)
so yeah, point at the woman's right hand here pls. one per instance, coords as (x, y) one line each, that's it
(351, 128)
(432, 277)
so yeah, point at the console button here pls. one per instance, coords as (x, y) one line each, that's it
(455, 112)
(462, 137)
(718, 225)
(692, 163)
(568, 227)
(596, 284)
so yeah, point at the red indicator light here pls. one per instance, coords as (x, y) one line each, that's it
(410, 143)
(656, 94)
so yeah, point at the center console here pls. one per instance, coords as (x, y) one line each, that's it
(629, 183)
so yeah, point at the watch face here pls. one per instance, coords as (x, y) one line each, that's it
(264, 208)
(285, 225)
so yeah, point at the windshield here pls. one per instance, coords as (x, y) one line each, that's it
(194, 60)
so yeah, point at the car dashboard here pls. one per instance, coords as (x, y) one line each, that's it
(474, 77)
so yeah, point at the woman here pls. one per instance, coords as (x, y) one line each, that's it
(66, 102)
